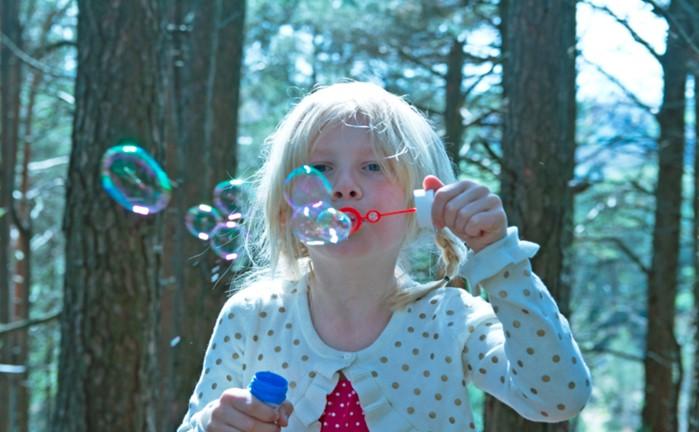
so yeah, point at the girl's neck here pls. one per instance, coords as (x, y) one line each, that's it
(349, 310)
(352, 287)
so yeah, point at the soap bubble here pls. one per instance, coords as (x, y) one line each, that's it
(306, 185)
(314, 220)
(134, 179)
(320, 224)
(201, 220)
(229, 198)
(227, 240)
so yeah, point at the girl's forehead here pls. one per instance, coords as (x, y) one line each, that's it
(342, 137)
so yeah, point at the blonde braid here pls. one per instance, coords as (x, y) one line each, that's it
(453, 252)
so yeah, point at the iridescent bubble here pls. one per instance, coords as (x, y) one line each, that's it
(201, 220)
(320, 224)
(306, 186)
(134, 179)
(227, 240)
(229, 197)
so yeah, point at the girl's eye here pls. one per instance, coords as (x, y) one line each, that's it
(321, 167)
(373, 167)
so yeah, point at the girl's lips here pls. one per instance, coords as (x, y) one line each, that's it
(355, 218)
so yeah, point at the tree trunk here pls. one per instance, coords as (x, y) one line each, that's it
(453, 121)
(10, 80)
(208, 45)
(662, 362)
(693, 412)
(22, 286)
(107, 368)
(23, 266)
(538, 150)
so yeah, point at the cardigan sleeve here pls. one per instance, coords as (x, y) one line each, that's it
(222, 367)
(519, 348)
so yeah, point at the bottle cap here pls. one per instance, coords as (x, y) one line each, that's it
(423, 204)
(268, 387)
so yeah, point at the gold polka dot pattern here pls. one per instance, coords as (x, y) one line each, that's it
(414, 376)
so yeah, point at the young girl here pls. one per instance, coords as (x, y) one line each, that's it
(362, 344)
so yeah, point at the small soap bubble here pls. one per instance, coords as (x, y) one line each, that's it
(229, 198)
(134, 179)
(320, 224)
(201, 220)
(227, 240)
(306, 186)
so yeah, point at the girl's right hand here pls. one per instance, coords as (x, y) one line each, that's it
(238, 411)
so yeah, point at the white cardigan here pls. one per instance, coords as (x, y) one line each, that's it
(414, 376)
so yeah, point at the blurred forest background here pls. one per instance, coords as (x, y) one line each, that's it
(105, 314)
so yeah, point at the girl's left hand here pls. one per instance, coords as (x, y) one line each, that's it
(469, 210)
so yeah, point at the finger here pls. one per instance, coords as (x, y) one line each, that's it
(444, 195)
(464, 205)
(431, 183)
(488, 221)
(244, 402)
(285, 410)
(483, 205)
(244, 422)
(223, 419)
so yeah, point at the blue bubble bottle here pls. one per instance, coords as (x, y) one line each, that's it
(268, 387)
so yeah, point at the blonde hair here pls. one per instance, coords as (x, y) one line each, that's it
(411, 150)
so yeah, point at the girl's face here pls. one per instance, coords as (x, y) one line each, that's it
(345, 155)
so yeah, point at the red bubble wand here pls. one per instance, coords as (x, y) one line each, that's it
(372, 216)
(423, 207)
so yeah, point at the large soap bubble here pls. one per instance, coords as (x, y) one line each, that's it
(134, 179)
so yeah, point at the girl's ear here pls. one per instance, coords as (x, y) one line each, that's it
(432, 183)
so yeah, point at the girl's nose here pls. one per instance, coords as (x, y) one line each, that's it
(346, 188)
(346, 193)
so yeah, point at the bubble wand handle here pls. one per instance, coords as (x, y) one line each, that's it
(423, 208)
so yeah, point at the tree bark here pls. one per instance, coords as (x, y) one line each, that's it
(107, 368)
(205, 85)
(662, 362)
(693, 412)
(23, 267)
(453, 121)
(10, 80)
(538, 150)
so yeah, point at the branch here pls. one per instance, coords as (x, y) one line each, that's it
(628, 27)
(641, 188)
(21, 325)
(490, 151)
(12, 369)
(623, 248)
(480, 78)
(659, 10)
(478, 120)
(620, 354)
(480, 164)
(30, 61)
(621, 86)
(406, 55)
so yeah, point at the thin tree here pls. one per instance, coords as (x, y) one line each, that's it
(693, 412)
(538, 50)
(107, 368)
(207, 37)
(662, 362)
(10, 79)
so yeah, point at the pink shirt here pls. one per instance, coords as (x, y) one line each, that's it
(342, 410)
